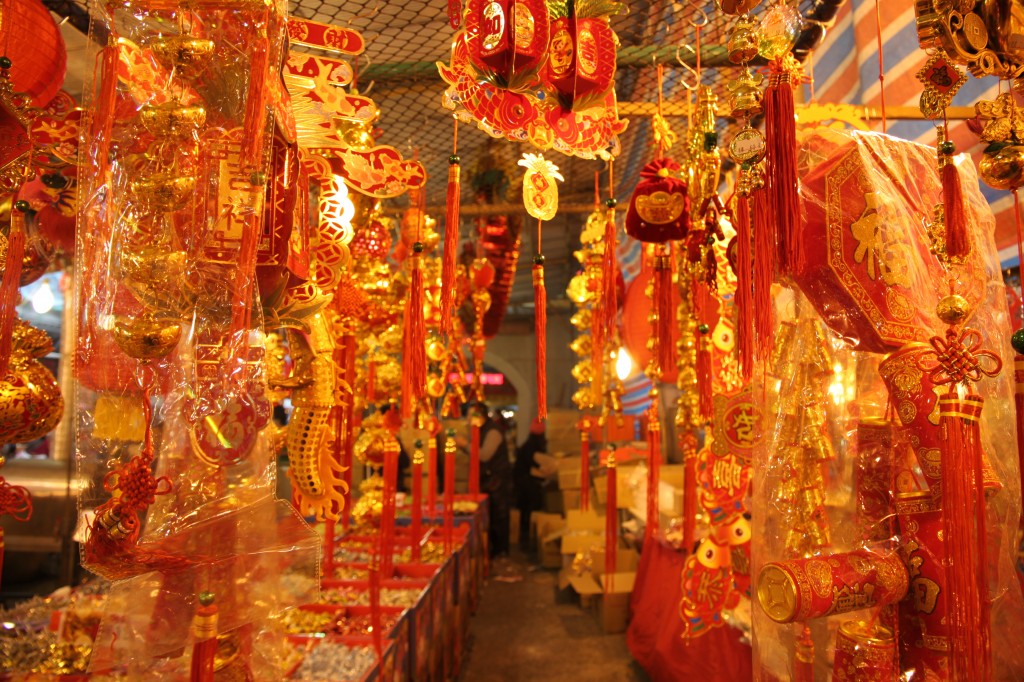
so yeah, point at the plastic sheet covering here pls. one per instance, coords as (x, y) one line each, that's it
(848, 472)
(171, 398)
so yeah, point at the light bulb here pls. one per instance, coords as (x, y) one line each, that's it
(42, 299)
(623, 364)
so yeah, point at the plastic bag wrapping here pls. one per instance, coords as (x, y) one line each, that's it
(170, 357)
(849, 461)
(254, 560)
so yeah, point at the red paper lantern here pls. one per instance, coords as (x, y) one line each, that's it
(581, 59)
(32, 41)
(507, 38)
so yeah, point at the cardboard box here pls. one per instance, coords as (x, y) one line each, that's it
(623, 491)
(569, 472)
(612, 608)
(550, 529)
(571, 499)
(587, 587)
(626, 560)
(547, 464)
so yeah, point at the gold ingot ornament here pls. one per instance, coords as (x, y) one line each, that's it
(162, 192)
(145, 337)
(186, 54)
(1003, 168)
(172, 120)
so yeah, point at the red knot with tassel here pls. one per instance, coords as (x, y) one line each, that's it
(780, 163)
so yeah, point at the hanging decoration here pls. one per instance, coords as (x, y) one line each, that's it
(571, 108)
(540, 196)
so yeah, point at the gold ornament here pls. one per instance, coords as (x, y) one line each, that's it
(953, 309)
(30, 401)
(742, 45)
(146, 337)
(186, 54)
(172, 120)
(164, 192)
(540, 193)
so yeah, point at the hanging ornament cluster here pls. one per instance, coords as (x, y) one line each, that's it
(537, 72)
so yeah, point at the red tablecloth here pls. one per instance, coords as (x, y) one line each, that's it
(655, 628)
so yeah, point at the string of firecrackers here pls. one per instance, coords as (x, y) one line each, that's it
(538, 85)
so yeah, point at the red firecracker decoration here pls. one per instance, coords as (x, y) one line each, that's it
(659, 210)
(204, 632)
(611, 530)
(540, 301)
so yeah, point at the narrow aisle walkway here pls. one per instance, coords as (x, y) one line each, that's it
(520, 634)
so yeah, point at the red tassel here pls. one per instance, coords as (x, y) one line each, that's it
(106, 102)
(705, 310)
(957, 242)
(963, 515)
(540, 303)
(449, 495)
(9, 287)
(417, 501)
(611, 528)
(764, 275)
(664, 311)
(603, 322)
(803, 658)
(780, 166)
(1018, 403)
(204, 629)
(255, 130)
(744, 289)
(474, 460)
(451, 246)
(2, 545)
(414, 352)
(584, 464)
(653, 471)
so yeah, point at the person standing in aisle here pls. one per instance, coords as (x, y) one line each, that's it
(495, 478)
(528, 478)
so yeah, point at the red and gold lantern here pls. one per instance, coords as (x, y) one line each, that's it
(507, 39)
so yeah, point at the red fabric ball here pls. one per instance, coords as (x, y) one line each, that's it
(32, 41)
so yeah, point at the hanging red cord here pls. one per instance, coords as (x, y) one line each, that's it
(881, 63)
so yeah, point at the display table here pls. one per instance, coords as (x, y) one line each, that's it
(655, 628)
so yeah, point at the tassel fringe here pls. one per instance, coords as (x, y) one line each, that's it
(780, 160)
(958, 244)
(744, 289)
(764, 273)
(540, 301)
(451, 245)
(653, 471)
(414, 353)
(963, 513)
(611, 529)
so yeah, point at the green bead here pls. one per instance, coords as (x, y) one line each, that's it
(538, 259)
(710, 239)
(257, 179)
(206, 598)
(454, 160)
(703, 328)
(417, 247)
(610, 202)
(947, 148)
(1017, 341)
(710, 141)
(22, 205)
(5, 62)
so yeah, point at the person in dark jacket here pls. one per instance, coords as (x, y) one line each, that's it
(495, 478)
(529, 482)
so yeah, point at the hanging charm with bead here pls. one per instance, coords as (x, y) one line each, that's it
(540, 195)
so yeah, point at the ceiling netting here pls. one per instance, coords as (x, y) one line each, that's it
(405, 39)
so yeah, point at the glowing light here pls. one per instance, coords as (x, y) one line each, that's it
(623, 364)
(337, 209)
(43, 299)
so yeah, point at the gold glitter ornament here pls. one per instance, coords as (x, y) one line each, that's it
(145, 337)
(30, 400)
